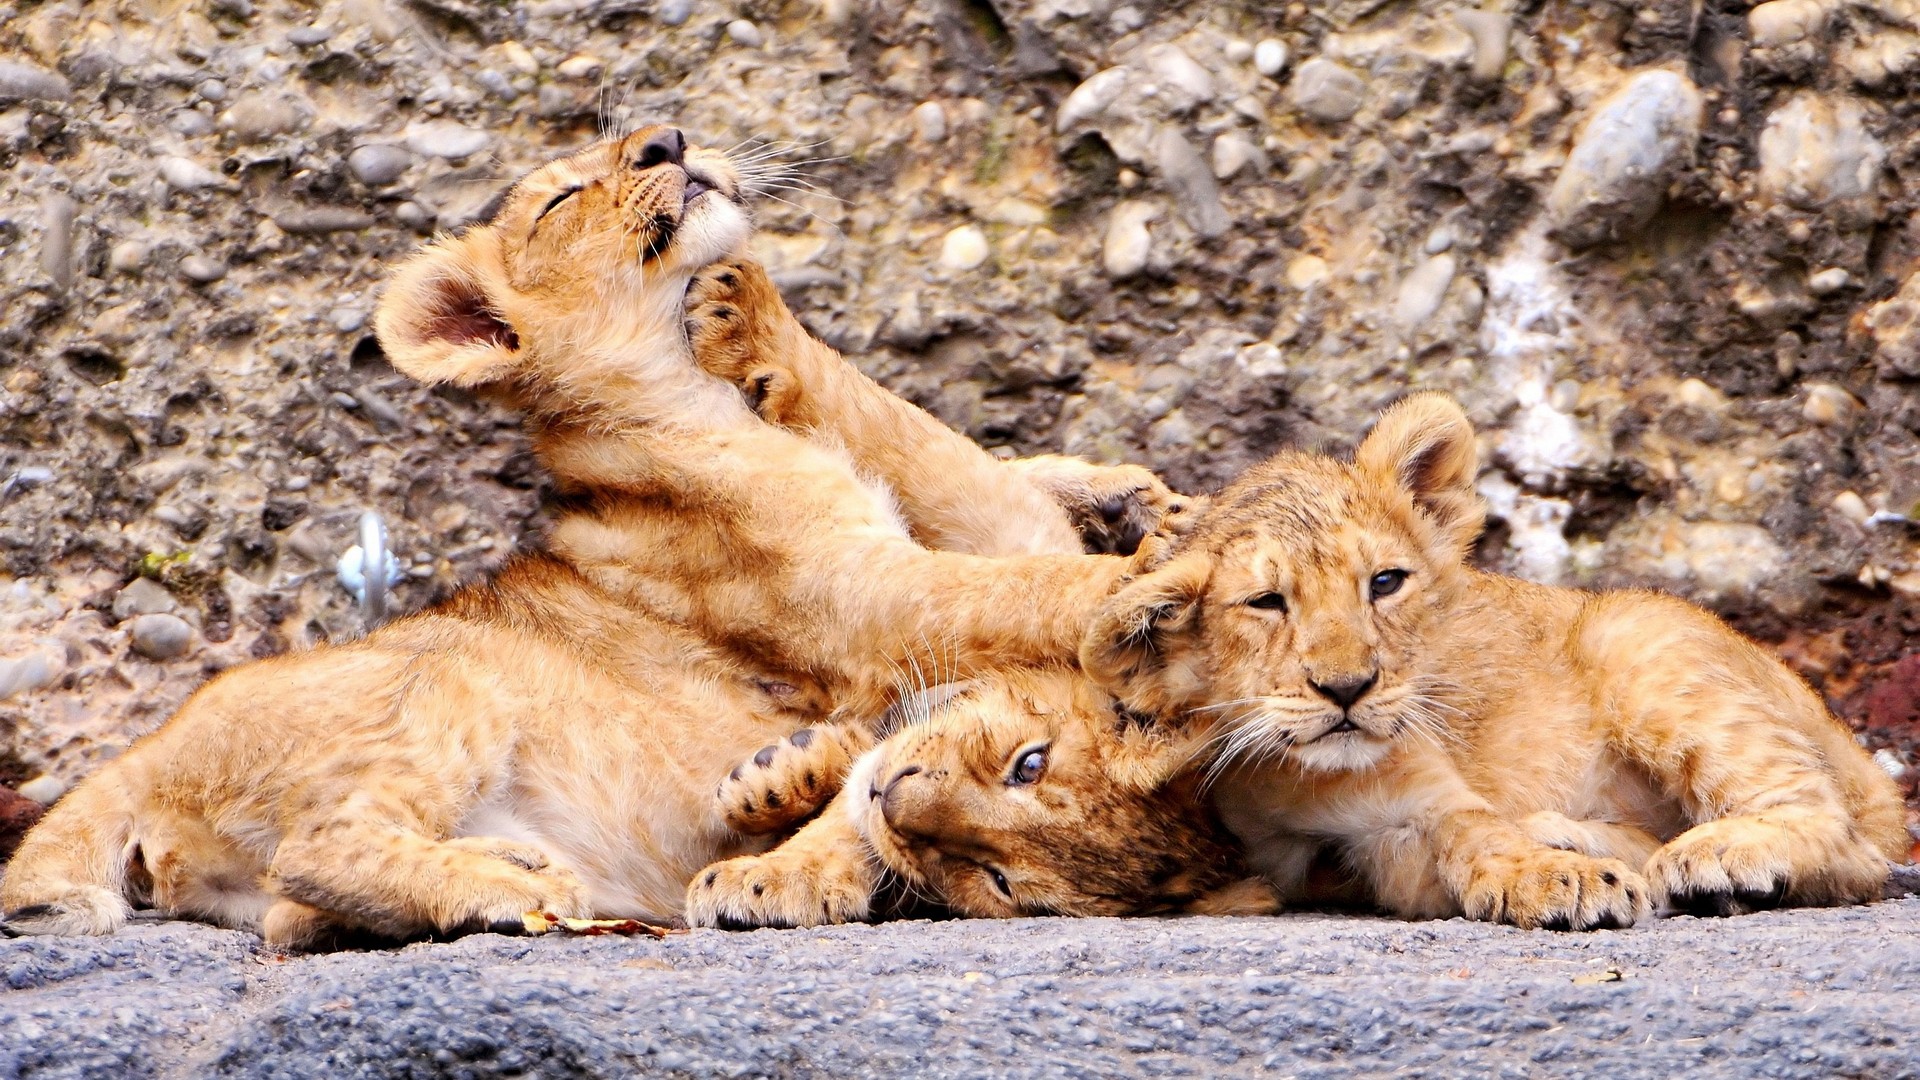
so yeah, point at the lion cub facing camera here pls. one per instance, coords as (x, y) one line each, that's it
(1471, 743)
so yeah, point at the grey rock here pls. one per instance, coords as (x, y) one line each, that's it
(1179, 74)
(1303, 994)
(56, 238)
(1233, 152)
(211, 89)
(142, 596)
(379, 163)
(1196, 192)
(202, 270)
(1422, 290)
(25, 674)
(304, 36)
(1327, 92)
(306, 220)
(190, 123)
(1091, 98)
(442, 139)
(259, 116)
(673, 12)
(1816, 149)
(27, 82)
(1627, 152)
(161, 636)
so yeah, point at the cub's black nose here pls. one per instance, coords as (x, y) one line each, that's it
(1347, 689)
(666, 147)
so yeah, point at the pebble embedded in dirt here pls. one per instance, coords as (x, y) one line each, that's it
(161, 637)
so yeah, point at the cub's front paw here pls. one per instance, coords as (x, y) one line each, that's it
(735, 323)
(786, 783)
(1555, 890)
(1743, 864)
(781, 888)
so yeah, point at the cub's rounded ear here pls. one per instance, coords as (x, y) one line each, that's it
(1425, 445)
(1134, 649)
(437, 322)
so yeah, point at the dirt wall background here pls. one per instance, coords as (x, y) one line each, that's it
(1664, 251)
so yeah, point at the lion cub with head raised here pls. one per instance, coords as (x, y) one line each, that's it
(1471, 743)
(549, 740)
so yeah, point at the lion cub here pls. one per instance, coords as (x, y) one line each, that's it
(1027, 793)
(1475, 744)
(550, 739)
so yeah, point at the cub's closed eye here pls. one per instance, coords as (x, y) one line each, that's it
(1386, 583)
(556, 201)
(1268, 601)
(1028, 765)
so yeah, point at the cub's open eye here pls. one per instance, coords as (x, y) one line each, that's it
(1386, 583)
(1027, 766)
(1268, 601)
(556, 201)
(1000, 882)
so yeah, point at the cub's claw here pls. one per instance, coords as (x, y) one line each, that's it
(788, 782)
(1557, 890)
(783, 888)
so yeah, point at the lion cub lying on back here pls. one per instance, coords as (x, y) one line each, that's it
(1475, 744)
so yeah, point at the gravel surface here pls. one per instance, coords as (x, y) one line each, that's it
(1800, 993)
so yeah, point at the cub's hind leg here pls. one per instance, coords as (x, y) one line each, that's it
(1753, 758)
(788, 782)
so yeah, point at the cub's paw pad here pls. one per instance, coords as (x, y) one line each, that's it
(1558, 890)
(732, 314)
(777, 889)
(1119, 506)
(783, 784)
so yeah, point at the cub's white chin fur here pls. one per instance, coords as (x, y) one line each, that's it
(1345, 752)
(712, 227)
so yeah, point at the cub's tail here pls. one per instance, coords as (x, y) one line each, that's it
(69, 875)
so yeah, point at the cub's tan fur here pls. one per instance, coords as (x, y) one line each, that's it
(551, 739)
(1110, 822)
(1442, 726)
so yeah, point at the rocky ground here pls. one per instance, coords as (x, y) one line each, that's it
(1785, 994)
(1662, 250)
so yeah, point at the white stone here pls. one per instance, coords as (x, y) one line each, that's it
(519, 59)
(1179, 72)
(1422, 291)
(1232, 152)
(1816, 149)
(580, 67)
(186, 174)
(1828, 404)
(43, 789)
(127, 257)
(446, 140)
(1270, 57)
(1091, 98)
(1828, 281)
(1489, 30)
(1632, 145)
(745, 33)
(1237, 51)
(142, 596)
(25, 674)
(1128, 245)
(1852, 507)
(1783, 22)
(965, 248)
(930, 121)
(1306, 271)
